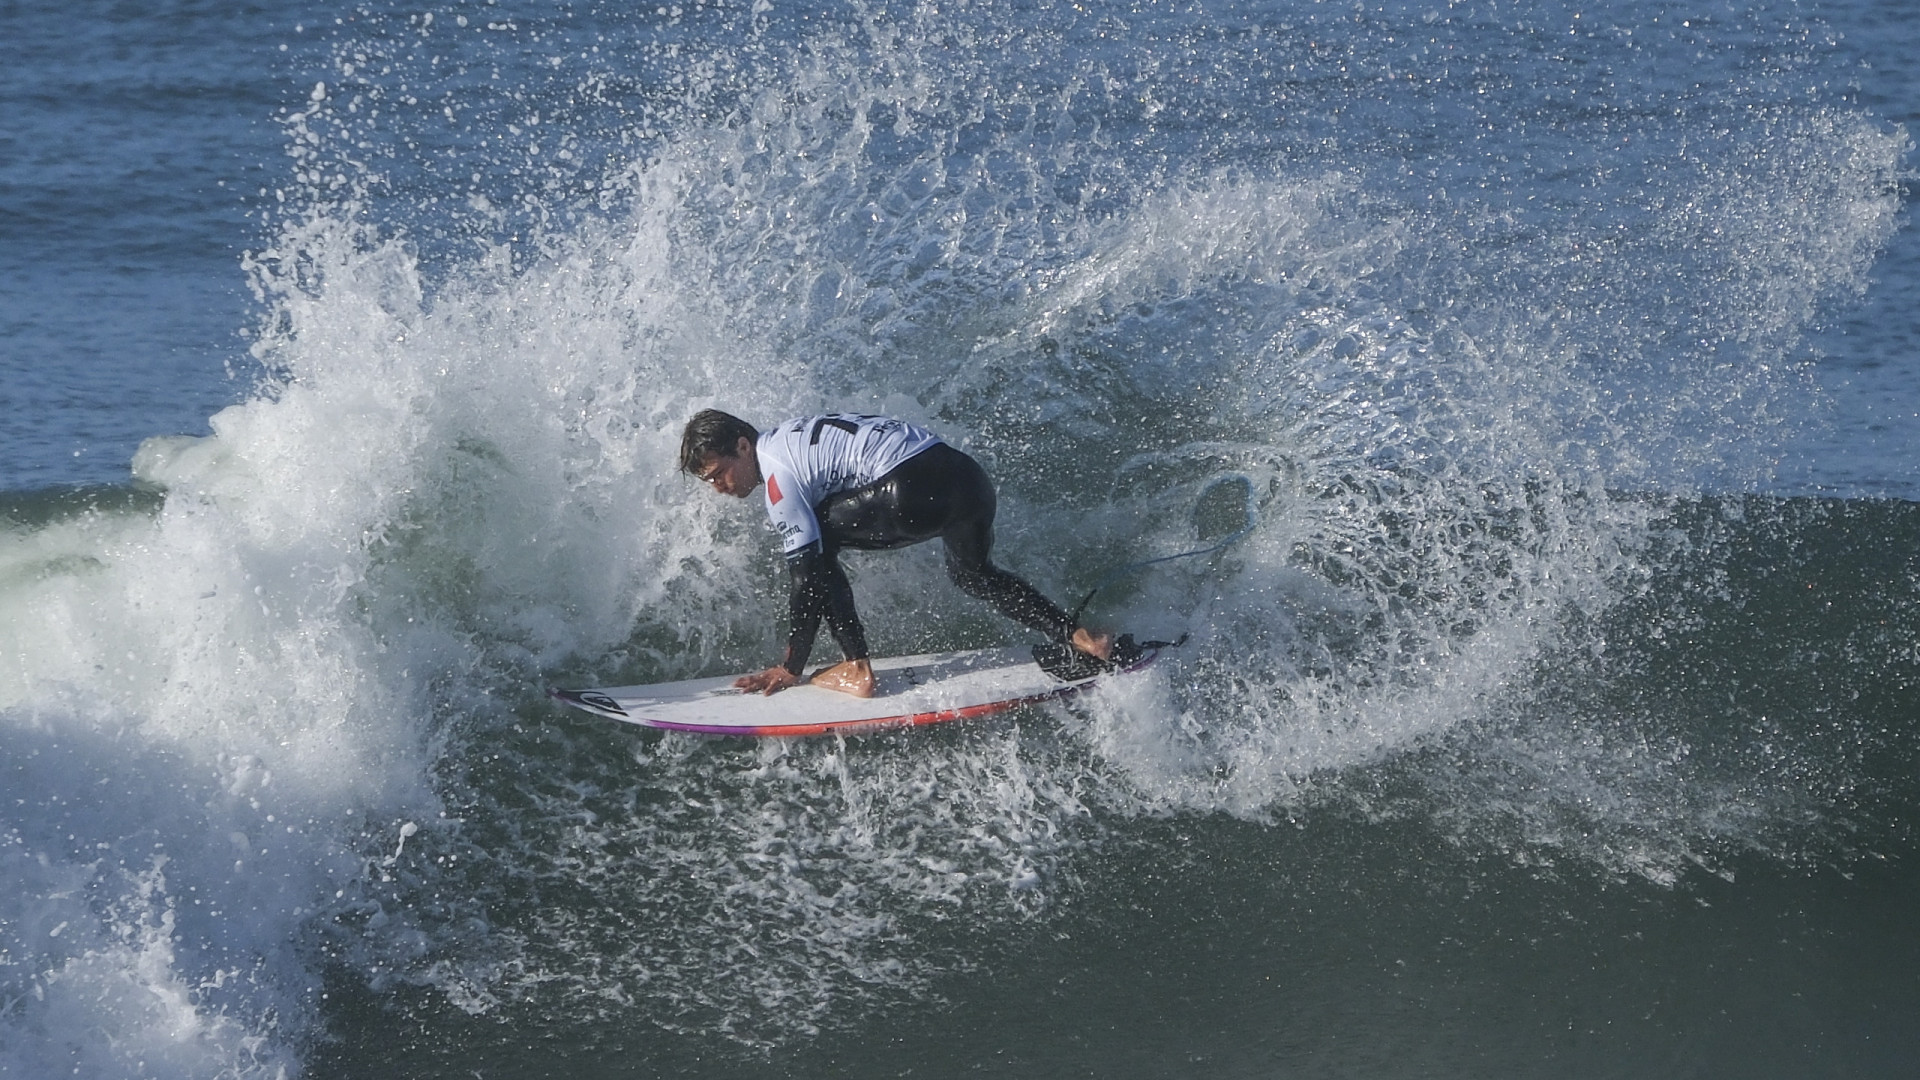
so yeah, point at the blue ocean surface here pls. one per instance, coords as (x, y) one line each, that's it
(1556, 718)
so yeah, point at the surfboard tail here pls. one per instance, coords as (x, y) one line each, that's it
(1064, 662)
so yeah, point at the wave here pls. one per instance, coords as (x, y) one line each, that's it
(280, 709)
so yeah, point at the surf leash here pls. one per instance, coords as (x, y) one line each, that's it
(1246, 486)
(1063, 661)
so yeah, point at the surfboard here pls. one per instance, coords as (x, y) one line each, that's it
(911, 691)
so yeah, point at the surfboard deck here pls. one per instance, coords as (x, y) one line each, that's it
(912, 690)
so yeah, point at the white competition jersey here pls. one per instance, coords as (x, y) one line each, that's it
(803, 461)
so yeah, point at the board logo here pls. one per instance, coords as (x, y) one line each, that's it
(601, 702)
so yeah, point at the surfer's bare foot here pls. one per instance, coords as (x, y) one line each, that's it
(1095, 645)
(771, 681)
(849, 677)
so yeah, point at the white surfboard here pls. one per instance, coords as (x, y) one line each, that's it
(911, 690)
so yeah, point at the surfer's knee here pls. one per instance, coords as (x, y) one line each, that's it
(976, 578)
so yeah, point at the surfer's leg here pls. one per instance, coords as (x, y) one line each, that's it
(920, 499)
(944, 492)
(977, 576)
(882, 515)
(967, 504)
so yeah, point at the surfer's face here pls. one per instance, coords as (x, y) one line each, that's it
(736, 474)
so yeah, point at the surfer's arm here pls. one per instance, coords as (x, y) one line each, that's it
(820, 590)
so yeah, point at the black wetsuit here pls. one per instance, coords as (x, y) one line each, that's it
(939, 491)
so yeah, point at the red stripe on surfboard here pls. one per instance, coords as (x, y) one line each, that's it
(850, 727)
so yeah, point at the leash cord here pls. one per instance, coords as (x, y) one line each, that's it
(1246, 486)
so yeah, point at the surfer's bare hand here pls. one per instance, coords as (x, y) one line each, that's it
(771, 681)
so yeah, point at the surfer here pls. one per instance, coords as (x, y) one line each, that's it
(870, 483)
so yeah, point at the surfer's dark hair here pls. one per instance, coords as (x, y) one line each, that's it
(710, 434)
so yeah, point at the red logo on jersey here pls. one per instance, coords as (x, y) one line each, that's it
(773, 491)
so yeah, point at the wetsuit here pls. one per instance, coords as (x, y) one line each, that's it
(872, 483)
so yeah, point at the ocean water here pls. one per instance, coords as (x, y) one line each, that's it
(1556, 719)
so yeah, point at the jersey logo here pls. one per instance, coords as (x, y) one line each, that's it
(773, 490)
